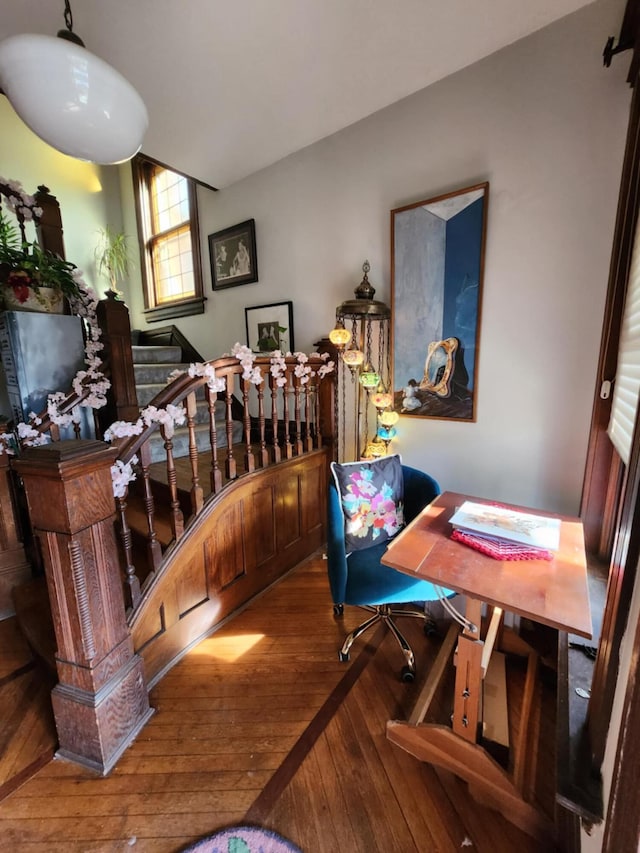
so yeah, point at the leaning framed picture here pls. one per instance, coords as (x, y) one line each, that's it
(270, 327)
(437, 268)
(233, 255)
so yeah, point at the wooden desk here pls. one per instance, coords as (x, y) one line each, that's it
(554, 593)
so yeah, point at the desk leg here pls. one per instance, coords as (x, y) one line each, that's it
(438, 745)
(466, 702)
(456, 749)
(468, 687)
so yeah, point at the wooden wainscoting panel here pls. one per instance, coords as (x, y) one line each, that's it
(225, 547)
(288, 510)
(151, 626)
(248, 537)
(191, 586)
(313, 501)
(261, 526)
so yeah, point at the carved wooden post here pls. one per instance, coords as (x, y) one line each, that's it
(49, 230)
(327, 398)
(122, 400)
(101, 701)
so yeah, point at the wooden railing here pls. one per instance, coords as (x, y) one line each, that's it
(180, 578)
(278, 423)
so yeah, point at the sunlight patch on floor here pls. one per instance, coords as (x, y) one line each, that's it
(227, 648)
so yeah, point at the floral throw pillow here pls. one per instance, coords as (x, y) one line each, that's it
(372, 497)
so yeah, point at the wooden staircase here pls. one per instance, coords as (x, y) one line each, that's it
(152, 365)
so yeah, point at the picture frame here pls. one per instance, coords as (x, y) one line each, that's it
(270, 327)
(437, 272)
(233, 256)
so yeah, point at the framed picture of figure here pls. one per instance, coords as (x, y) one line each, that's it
(233, 255)
(270, 327)
(437, 269)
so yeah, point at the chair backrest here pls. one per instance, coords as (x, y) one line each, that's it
(419, 490)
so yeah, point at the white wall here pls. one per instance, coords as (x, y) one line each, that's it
(544, 123)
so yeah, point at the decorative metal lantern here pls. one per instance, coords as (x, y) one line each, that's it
(368, 358)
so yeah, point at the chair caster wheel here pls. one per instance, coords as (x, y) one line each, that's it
(338, 609)
(344, 657)
(408, 675)
(430, 629)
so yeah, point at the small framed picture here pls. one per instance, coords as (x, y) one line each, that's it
(270, 327)
(233, 256)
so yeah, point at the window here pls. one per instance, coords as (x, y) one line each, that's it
(166, 205)
(627, 382)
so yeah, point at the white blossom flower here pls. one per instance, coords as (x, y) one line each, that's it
(123, 429)
(208, 371)
(175, 374)
(122, 474)
(167, 418)
(324, 369)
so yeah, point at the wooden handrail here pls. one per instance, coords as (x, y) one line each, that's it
(292, 430)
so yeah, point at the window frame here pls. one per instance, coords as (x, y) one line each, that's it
(142, 168)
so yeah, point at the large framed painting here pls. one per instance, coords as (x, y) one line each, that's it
(233, 255)
(437, 266)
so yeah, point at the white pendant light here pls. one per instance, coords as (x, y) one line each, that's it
(71, 98)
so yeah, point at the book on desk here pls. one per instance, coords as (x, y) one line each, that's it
(502, 525)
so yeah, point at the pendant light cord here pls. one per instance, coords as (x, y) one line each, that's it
(68, 17)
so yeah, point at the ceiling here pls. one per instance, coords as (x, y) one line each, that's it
(232, 87)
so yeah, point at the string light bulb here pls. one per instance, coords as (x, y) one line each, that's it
(339, 336)
(369, 378)
(389, 418)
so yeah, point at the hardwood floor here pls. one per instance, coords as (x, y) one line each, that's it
(261, 723)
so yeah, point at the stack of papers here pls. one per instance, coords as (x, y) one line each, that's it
(500, 524)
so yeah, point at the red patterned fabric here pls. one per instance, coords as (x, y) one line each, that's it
(500, 550)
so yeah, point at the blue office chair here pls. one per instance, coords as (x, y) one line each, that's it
(359, 578)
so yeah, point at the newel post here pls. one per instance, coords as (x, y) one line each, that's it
(101, 702)
(327, 399)
(49, 229)
(122, 400)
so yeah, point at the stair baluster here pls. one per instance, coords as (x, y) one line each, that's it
(288, 446)
(276, 451)
(177, 519)
(263, 452)
(197, 495)
(131, 581)
(316, 416)
(307, 417)
(296, 401)
(249, 458)
(231, 462)
(154, 549)
(216, 473)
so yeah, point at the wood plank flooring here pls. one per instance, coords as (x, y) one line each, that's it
(27, 734)
(261, 723)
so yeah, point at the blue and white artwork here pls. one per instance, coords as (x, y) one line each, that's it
(438, 261)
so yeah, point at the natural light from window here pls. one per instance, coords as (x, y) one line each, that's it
(171, 246)
(227, 648)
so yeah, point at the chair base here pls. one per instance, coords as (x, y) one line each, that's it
(386, 613)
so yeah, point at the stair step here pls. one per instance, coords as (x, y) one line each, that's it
(146, 393)
(156, 354)
(156, 372)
